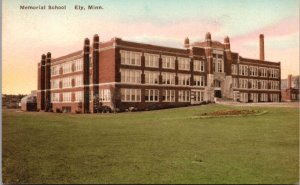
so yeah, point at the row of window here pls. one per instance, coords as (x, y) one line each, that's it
(152, 77)
(255, 84)
(254, 97)
(152, 95)
(104, 96)
(67, 82)
(68, 67)
(152, 60)
(246, 70)
(67, 97)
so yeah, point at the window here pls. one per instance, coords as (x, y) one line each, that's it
(55, 84)
(151, 60)
(199, 65)
(184, 63)
(168, 62)
(130, 58)
(244, 97)
(263, 84)
(168, 96)
(130, 95)
(263, 72)
(199, 81)
(199, 96)
(54, 97)
(78, 80)
(130, 76)
(253, 84)
(151, 95)
(243, 83)
(55, 70)
(234, 69)
(79, 96)
(274, 73)
(67, 67)
(105, 95)
(78, 64)
(243, 70)
(235, 83)
(263, 97)
(183, 96)
(184, 79)
(168, 78)
(67, 97)
(151, 77)
(274, 85)
(67, 82)
(253, 71)
(218, 65)
(254, 97)
(274, 97)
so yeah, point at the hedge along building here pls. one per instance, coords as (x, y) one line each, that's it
(122, 74)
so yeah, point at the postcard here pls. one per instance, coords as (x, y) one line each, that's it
(150, 92)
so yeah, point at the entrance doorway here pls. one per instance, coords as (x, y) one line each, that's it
(218, 94)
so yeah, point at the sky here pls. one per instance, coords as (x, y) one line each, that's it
(27, 34)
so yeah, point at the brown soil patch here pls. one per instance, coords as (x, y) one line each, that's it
(230, 112)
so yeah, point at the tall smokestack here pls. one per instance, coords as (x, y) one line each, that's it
(289, 81)
(261, 47)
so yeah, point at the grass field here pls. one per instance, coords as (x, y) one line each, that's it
(163, 146)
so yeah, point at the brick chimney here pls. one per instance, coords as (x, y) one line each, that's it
(261, 47)
(289, 81)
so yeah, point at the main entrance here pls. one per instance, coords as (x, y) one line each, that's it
(218, 94)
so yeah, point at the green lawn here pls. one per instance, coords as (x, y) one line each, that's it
(163, 146)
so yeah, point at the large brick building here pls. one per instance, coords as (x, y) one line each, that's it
(122, 74)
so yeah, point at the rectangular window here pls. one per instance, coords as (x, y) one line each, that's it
(253, 71)
(151, 60)
(78, 64)
(131, 58)
(243, 70)
(184, 79)
(168, 96)
(243, 83)
(235, 83)
(244, 97)
(199, 96)
(67, 96)
(79, 96)
(67, 82)
(168, 62)
(263, 97)
(151, 77)
(234, 69)
(183, 95)
(168, 78)
(55, 70)
(130, 76)
(253, 84)
(184, 63)
(199, 81)
(263, 72)
(67, 67)
(78, 80)
(199, 65)
(55, 84)
(104, 95)
(130, 95)
(218, 65)
(151, 95)
(54, 97)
